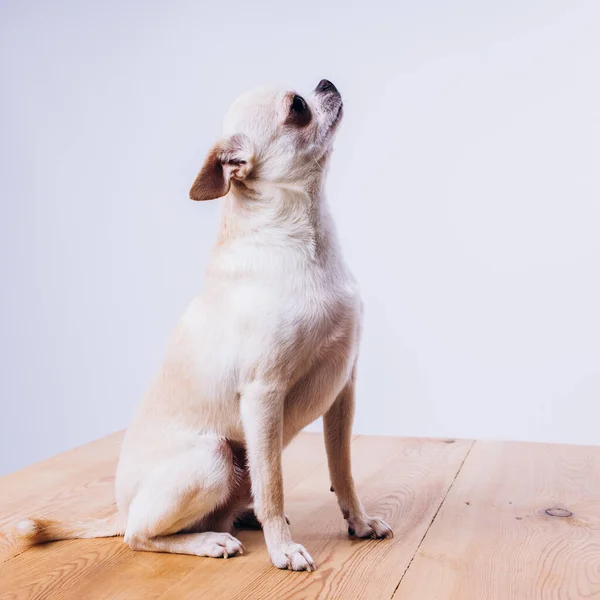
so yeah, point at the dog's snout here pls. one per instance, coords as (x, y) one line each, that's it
(326, 86)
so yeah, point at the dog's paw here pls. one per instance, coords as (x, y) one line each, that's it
(292, 556)
(369, 527)
(218, 545)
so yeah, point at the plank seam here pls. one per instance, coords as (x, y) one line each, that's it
(464, 460)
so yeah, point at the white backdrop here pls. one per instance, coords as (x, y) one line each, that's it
(465, 186)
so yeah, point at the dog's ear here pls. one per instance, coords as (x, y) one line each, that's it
(229, 159)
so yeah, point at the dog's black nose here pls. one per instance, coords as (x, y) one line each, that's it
(326, 86)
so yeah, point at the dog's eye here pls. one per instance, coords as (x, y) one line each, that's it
(298, 104)
(299, 112)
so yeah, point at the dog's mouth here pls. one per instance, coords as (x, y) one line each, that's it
(338, 115)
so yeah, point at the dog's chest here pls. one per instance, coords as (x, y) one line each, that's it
(283, 308)
(293, 312)
(320, 311)
(317, 315)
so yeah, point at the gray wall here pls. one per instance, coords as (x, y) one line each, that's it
(465, 186)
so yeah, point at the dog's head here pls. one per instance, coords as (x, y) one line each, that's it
(272, 137)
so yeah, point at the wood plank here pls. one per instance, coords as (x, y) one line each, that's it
(47, 482)
(404, 481)
(105, 568)
(493, 538)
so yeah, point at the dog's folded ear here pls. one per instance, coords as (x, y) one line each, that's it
(229, 159)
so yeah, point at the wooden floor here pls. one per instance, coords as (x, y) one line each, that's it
(472, 521)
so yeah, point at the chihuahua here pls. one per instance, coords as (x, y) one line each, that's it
(269, 346)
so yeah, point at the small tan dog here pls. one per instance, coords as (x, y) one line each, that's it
(268, 347)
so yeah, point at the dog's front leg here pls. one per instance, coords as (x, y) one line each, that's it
(262, 418)
(338, 435)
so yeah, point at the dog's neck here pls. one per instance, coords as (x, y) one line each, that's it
(293, 217)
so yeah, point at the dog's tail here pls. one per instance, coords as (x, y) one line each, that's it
(37, 531)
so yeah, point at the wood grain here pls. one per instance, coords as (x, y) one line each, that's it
(493, 540)
(54, 482)
(470, 524)
(402, 480)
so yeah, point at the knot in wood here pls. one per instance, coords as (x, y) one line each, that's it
(558, 512)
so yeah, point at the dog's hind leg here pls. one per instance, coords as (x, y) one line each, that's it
(177, 494)
(233, 513)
